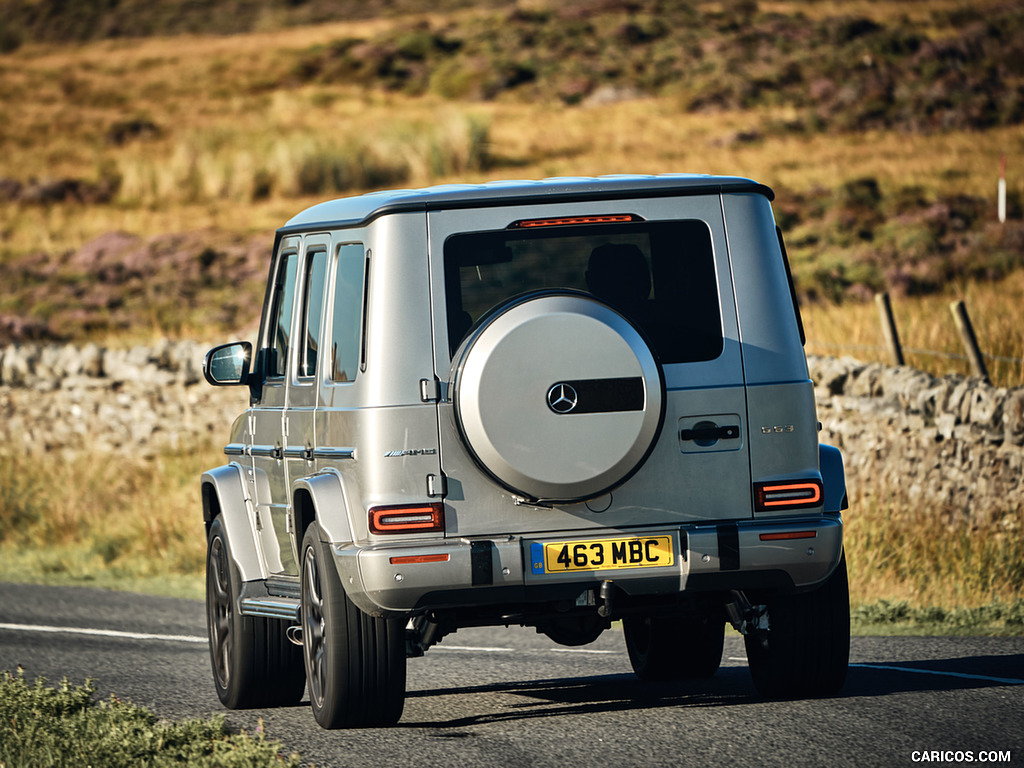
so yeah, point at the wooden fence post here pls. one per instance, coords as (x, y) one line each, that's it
(892, 337)
(970, 341)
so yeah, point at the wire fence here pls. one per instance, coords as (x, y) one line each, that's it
(928, 352)
(894, 351)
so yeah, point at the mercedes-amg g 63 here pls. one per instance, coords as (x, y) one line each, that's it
(560, 404)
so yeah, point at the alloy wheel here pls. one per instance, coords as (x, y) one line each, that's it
(219, 580)
(313, 623)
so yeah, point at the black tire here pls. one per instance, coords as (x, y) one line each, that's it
(355, 663)
(808, 642)
(254, 665)
(674, 647)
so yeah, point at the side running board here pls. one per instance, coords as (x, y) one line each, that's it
(256, 599)
(270, 607)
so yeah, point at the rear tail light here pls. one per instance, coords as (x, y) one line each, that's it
(796, 494)
(407, 519)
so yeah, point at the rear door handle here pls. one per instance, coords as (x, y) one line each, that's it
(701, 433)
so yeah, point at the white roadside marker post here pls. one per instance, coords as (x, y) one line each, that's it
(1002, 189)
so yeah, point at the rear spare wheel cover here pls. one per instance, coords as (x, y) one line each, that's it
(558, 397)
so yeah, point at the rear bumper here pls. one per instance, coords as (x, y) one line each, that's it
(790, 553)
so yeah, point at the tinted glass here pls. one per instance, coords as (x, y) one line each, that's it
(661, 275)
(281, 315)
(347, 312)
(312, 318)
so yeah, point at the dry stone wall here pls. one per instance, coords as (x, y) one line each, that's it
(950, 442)
(139, 401)
(953, 443)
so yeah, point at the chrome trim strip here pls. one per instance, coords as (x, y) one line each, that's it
(296, 452)
(271, 451)
(270, 607)
(334, 453)
(234, 449)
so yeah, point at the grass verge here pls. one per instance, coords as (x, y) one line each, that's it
(98, 520)
(921, 570)
(931, 558)
(899, 617)
(64, 725)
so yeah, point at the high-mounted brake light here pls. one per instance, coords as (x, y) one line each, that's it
(562, 221)
(791, 495)
(403, 519)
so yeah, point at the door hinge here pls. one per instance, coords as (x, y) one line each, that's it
(430, 390)
(437, 486)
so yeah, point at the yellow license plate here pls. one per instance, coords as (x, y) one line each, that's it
(601, 554)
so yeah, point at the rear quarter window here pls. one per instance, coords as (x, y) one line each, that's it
(347, 312)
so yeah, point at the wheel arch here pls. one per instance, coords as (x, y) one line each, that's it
(223, 492)
(321, 497)
(830, 459)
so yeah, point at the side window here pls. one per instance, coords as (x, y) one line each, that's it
(279, 330)
(312, 315)
(347, 312)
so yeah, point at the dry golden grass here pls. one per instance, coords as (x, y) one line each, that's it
(925, 325)
(225, 108)
(901, 551)
(876, 10)
(100, 519)
(219, 156)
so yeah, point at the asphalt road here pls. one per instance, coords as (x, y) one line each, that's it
(502, 697)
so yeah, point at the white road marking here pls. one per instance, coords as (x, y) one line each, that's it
(485, 649)
(194, 639)
(103, 633)
(942, 673)
(473, 648)
(939, 672)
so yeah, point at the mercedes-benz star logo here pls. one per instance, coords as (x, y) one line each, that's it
(562, 398)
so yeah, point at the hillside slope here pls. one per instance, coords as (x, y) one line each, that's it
(69, 21)
(138, 175)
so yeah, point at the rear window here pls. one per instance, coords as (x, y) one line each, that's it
(661, 275)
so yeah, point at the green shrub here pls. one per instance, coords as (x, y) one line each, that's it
(64, 726)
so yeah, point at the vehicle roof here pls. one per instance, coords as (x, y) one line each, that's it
(352, 211)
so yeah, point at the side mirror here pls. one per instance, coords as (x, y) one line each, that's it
(228, 364)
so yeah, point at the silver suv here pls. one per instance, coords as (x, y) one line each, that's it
(556, 404)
